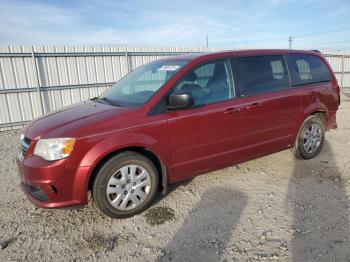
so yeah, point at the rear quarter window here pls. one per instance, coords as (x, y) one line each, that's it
(308, 69)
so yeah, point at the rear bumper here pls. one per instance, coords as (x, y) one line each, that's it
(52, 184)
(332, 120)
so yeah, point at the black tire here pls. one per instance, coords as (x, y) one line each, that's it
(99, 193)
(299, 150)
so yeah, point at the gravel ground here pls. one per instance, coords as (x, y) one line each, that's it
(272, 208)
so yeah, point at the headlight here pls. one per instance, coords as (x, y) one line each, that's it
(54, 148)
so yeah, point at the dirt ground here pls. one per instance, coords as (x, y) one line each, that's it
(272, 208)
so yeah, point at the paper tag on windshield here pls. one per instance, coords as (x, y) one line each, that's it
(169, 67)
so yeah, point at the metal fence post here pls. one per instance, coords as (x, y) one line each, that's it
(342, 71)
(37, 75)
(127, 60)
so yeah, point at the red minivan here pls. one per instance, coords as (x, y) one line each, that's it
(176, 118)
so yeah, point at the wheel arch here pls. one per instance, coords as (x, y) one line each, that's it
(317, 111)
(161, 168)
(322, 115)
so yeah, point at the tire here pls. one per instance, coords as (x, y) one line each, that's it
(310, 138)
(121, 188)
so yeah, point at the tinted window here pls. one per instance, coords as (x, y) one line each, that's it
(309, 69)
(209, 83)
(261, 74)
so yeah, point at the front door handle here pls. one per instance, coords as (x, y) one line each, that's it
(232, 110)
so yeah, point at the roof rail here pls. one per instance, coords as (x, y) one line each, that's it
(316, 51)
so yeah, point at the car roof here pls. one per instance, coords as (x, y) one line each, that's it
(248, 52)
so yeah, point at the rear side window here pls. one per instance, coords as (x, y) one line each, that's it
(309, 69)
(262, 74)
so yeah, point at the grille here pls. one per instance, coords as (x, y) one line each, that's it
(24, 145)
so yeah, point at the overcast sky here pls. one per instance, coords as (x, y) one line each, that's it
(314, 24)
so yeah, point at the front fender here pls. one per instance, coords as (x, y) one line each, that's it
(118, 141)
(98, 147)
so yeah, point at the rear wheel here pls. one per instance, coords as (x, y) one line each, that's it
(125, 185)
(310, 138)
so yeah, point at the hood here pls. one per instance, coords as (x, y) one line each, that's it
(76, 121)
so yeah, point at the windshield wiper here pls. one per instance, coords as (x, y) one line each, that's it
(110, 101)
(105, 100)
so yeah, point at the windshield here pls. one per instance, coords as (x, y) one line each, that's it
(141, 84)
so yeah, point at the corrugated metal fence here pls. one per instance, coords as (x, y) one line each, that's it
(37, 80)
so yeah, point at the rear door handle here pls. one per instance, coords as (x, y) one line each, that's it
(232, 110)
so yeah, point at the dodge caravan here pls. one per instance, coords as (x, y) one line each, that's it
(176, 118)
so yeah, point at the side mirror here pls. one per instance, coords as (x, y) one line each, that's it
(180, 100)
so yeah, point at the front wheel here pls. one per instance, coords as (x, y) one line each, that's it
(310, 138)
(125, 185)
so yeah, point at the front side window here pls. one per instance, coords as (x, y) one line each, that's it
(309, 69)
(262, 74)
(208, 83)
(140, 85)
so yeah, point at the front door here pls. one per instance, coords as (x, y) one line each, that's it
(199, 135)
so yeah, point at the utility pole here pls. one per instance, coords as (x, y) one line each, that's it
(290, 40)
(207, 41)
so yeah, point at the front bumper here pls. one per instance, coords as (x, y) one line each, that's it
(52, 184)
